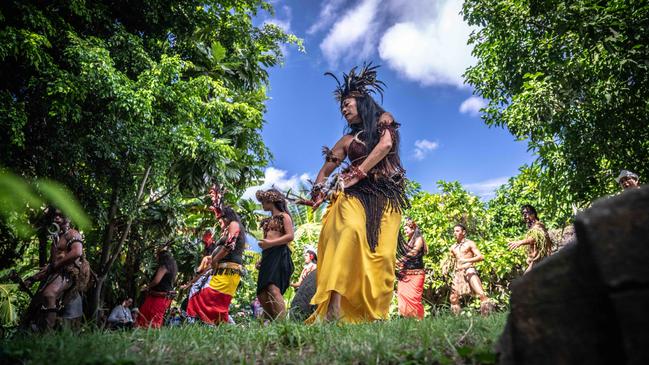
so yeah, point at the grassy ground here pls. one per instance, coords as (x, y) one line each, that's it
(444, 339)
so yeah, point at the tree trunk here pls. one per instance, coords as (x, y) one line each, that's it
(94, 299)
(42, 247)
(108, 253)
(133, 262)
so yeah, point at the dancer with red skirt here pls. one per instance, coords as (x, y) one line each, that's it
(211, 294)
(411, 272)
(159, 292)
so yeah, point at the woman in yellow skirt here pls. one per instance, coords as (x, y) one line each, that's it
(358, 241)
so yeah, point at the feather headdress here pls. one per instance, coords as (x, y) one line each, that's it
(358, 83)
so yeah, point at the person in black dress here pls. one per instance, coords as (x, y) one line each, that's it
(276, 266)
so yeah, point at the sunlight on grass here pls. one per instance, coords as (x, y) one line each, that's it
(444, 339)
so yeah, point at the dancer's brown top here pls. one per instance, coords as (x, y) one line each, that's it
(274, 223)
(357, 151)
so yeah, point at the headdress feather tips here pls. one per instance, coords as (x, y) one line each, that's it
(358, 83)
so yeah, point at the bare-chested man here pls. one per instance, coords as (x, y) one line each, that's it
(65, 276)
(537, 238)
(466, 280)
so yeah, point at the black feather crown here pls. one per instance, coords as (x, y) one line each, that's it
(359, 83)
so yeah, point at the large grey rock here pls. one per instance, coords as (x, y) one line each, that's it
(301, 306)
(561, 237)
(588, 303)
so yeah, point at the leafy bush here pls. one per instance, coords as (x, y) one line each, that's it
(436, 214)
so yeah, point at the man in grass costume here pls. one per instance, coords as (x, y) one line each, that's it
(537, 239)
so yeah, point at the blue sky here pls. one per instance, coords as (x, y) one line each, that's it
(421, 46)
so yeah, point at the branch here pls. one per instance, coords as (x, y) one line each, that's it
(110, 233)
(127, 230)
(165, 194)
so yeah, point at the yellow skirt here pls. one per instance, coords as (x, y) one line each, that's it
(364, 279)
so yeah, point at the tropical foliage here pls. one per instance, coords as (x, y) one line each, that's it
(436, 214)
(135, 107)
(571, 78)
(490, 224)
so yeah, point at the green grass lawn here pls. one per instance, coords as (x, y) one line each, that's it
(443, 339)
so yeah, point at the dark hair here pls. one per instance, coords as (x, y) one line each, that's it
(461, 226)
(417, 233)
(529, 209)
(314, 257)
(369, 111)
(209, 249)
(402, 244)
(229, 215)
(280, 205)
(167, 260)
(54, 212)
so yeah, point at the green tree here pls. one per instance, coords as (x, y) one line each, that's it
(525, 188)
(570, 77)
(134, 105)
(436, 214)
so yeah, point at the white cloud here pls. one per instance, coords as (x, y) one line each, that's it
(285, 22)
(423, 147)
(486, 189)
(472, 106)
(422, 40)
(277, 178)
(430, 51)
(284, 25)
(352, 36)
(329, 10)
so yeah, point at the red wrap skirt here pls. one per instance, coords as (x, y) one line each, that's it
(410, 289)
(152, 311)
(210, 297)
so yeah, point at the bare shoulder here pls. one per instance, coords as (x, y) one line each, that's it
(73, 234)
(343, 143)
(471, 243)
(345, 140)
(286, 216)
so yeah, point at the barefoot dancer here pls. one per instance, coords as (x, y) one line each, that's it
(410, 264)
(276, 266)
(159, 292)
(67, 274)
(466, 280)
(358, 242)
(211, 293)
